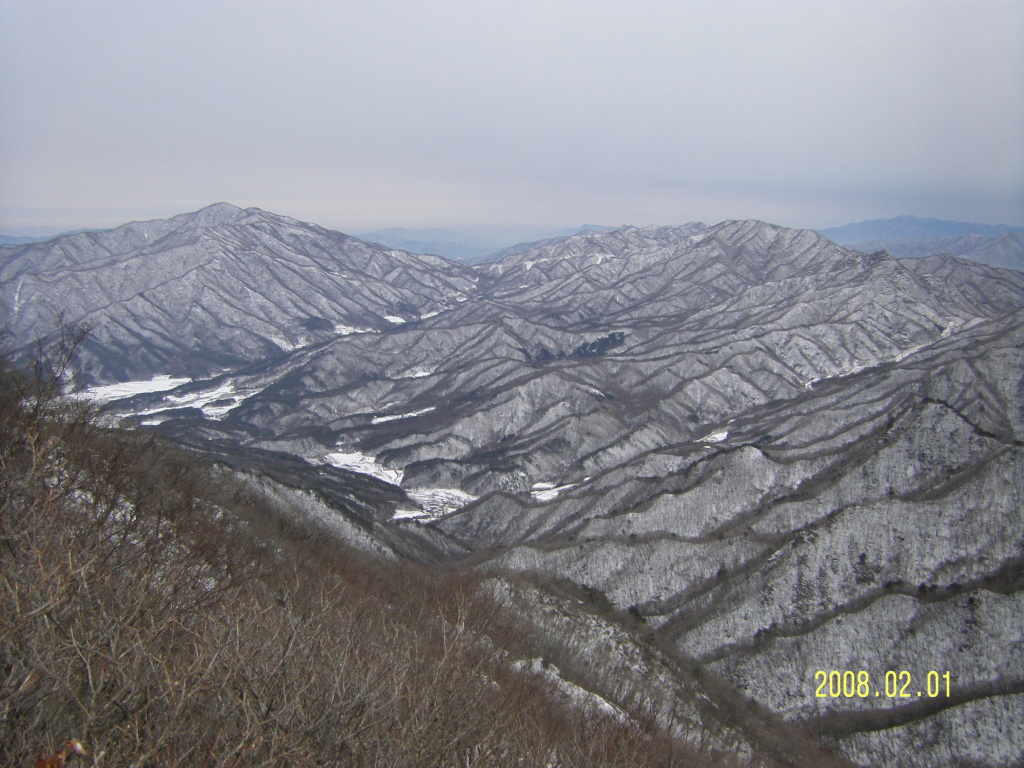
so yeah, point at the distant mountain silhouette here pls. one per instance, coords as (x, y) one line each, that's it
(911, 228)
(465, 247)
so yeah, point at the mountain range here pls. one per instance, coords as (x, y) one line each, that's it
(766, 455)
(912, 237)
(912, 228)
(1006, 251)
(28, 235)
(225, 286)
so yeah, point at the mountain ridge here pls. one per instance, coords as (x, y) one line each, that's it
(774, 453)
(911, 228)
(1005, 251)
(230, 265)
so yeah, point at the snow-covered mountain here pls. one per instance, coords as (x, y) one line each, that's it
(215, 288)
(774, 454)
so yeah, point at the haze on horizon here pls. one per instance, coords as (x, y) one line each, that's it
(512, 115)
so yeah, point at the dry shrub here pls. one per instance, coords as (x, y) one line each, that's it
(142, 615)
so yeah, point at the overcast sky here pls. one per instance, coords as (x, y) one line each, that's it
(362, 115)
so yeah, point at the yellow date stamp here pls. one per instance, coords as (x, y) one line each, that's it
(894, 685)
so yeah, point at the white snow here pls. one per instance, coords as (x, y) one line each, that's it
(904, 355)
(366, 465)
(410, 514)
(548, 491)
(111, 392)
(348, 330)
(396, 416)
(152, 422)
(204, 399)
(435, 502)
(394, 319)
(580, 696)
(18, 301)
(715, 437)
(283, 343)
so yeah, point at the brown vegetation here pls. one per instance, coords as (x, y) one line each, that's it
(166, 616)
(58, 759)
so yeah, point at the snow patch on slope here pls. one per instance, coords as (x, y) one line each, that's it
(548, 491)
(283, 343)
(214, 403)
(396, 416)
(348, 330)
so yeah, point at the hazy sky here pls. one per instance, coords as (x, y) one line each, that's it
(361, 115)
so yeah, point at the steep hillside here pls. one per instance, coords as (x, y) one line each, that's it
(162, 611)
(874, 524)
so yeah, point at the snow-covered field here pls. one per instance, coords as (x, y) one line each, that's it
(205, 399)
(111, 392)
(214, 402)
(348, 330)
(436, 502)
(367, 465)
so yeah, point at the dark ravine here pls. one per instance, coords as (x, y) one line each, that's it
(778, 454)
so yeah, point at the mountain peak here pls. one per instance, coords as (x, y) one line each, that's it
(217, 214)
